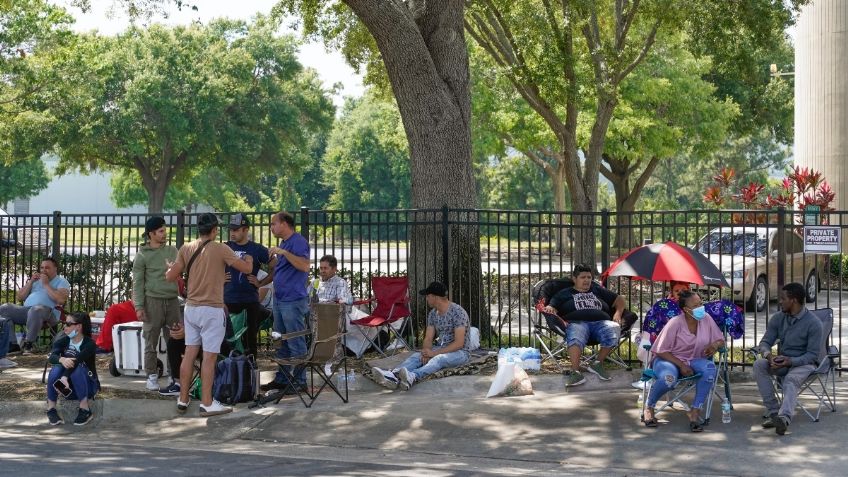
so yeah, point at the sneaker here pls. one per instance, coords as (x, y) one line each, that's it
(574, 378)
(384, 378)
(780, 425)
(27, 348)
(768, 421)
(54, 418)
(153, 382)
(172, 389)
(273, 385)
(406, 378)
(214, 409)
(83, 417)
(182, 407)
(7, 363)
(596, 367)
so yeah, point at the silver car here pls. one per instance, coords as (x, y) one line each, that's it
(747, 256)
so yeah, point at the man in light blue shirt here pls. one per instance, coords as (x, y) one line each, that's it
(41, 294)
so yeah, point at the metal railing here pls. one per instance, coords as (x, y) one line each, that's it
(514, 250)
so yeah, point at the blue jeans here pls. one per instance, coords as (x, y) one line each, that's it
(81, 383)
(6, 333)
(289, 317)
(441, 361)
(605, 332)
(667, 375)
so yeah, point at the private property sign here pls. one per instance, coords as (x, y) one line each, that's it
(822, 239)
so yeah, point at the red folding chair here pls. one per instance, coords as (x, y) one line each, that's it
(391, 295)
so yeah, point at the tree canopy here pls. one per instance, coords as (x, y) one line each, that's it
(168, 102)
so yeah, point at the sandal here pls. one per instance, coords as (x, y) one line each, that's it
(695, 426)
(652, 422)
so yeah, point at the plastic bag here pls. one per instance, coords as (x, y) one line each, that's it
(510, 380)
(473, 338)
(525, 358)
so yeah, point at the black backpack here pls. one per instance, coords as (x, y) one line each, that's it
(236, 379)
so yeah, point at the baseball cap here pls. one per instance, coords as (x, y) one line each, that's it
(435, 288)
(238, 221)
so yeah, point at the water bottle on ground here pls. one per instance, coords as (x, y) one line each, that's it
(640, 401)
(341, 381)
(725, 411)
(351, 381)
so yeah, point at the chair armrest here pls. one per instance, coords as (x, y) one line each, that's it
(832, 351)
(362, 302)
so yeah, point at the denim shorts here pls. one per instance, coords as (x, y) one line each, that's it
(605, 332)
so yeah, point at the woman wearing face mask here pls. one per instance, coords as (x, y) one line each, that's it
(685, 346)
(73, 360)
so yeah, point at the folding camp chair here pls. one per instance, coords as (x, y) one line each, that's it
(553, 327)
(685, 384)
(326, 328)
(821, 383)
(391, 295)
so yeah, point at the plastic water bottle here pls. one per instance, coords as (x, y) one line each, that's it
(640, 401)
(341, 381)
(725, 411)
(351, 381)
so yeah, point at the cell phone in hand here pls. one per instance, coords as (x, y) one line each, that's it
(60, 387)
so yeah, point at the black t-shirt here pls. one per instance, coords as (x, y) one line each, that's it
(239, 289)
(594, 305)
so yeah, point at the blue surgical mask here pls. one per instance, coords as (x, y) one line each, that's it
(699, 313)
(72, 334)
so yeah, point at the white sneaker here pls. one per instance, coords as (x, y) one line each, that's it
(7, 363)
(214, 409)
(407, 378)
(153, 382)
(384, 378)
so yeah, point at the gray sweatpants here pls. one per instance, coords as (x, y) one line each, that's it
(791, 384)
(31, 316)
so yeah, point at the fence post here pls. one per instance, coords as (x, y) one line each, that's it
(180, 227)
(304, 222)
(781, 248)
(445, 247)
(57, 228)
(605, 239)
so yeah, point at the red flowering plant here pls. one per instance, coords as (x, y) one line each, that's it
(801, 188)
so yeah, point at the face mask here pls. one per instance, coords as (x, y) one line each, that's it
(699, 313)
(72, 334)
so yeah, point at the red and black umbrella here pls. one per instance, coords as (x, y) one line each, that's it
(667, 262)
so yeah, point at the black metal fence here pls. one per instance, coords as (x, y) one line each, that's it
(758, 251)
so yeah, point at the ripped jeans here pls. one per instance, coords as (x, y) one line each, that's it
(667, 375)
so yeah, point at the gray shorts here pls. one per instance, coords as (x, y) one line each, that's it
(205, 326)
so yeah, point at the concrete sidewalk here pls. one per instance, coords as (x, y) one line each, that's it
(448, 421)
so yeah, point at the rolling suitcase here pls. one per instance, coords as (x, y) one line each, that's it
(128, 357)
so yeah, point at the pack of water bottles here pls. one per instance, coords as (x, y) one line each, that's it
(525, 358)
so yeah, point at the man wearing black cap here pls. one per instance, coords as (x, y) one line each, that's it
(154, 298)
(447, 320)
(241, 291)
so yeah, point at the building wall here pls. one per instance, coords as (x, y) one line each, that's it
(821, 93)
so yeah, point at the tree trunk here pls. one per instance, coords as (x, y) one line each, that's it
(624, 207)
(424, 51)
(558, 185)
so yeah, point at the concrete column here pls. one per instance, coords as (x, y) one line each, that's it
(821, 93)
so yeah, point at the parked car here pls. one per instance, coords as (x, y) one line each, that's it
(8, 232)
(17, 235)
(747, 256)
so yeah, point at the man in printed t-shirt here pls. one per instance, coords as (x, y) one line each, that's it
(592, 313)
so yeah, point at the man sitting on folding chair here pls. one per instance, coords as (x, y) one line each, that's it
(800, 335)
(452, 324)
(586, 308)
(685, 347)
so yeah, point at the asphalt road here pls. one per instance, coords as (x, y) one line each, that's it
(84, 453)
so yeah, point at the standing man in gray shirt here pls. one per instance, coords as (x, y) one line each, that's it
(799, 334)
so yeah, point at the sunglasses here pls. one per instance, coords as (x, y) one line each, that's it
(71, 323)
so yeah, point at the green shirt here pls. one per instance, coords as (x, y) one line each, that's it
(148, 272)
